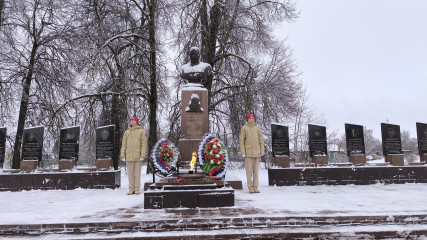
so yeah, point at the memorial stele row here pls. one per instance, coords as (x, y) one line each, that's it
(32, 145)
(355, 143)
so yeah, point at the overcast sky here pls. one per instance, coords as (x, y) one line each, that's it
(363, 61)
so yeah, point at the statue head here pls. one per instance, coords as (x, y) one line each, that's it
(194, 55)
(195, 71)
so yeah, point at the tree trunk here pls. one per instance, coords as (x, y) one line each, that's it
(23, 109)
(209, 37)
(1, 12)
(118, 106)
(152, 100)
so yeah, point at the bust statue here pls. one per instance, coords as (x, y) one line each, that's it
(195, 71)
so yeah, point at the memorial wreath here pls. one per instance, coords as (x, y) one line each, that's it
(164, 157)
(213, 156)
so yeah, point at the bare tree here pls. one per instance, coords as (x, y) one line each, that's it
(372, 144)
(409, 145)
(304, 115)
(252, 71)
(119, 52)
(34, 36)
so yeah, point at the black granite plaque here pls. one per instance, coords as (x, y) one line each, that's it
(32, 145)
(280, 140)
(105, 142)
(391, 139)
(422, 138)
(317, 140)
(2, 144)
(355, 140)
(69, 143)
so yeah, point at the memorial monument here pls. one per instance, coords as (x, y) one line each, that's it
(32, 148)
(3, 132)
(187, 187)
(105, 147)
(317, 144)
(68, 147)
(280, 144)
(355, 143)
(391, 143)
(422, 141)
(194, 105)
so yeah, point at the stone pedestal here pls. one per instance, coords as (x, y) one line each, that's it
(282, 161)
(104, 164)
(29, 165)
(357, 160)
(395, 159)
(66, 164)
(194, 121)
(320, 160)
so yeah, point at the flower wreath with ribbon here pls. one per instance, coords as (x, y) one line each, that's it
(213, 157)
(164, 157)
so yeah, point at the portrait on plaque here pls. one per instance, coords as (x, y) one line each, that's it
(69, 143)
(279, 140)
(391, 141)
(354, 139)
(422, 138)
(32, 145)
(2, 144)
(105, 142)
(317, 140)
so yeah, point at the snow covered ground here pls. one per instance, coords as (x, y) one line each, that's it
(95, 205)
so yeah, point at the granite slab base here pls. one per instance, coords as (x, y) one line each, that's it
(188, 196)
(347, 175)
(59, 180)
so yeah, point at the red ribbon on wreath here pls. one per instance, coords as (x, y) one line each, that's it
(165, 163)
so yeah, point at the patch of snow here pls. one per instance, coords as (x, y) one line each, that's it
(103, 205)
(188, 68)
(69, 127)
(105, 126)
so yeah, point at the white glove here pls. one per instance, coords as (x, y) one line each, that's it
(142, 159)
(123, 160)
(243, 155)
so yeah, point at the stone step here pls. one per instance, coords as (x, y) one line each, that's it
(225, 223)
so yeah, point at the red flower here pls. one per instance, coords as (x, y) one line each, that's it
(215, 151)
(161, 155)
(179, 180)
(216, 161)
(205, 155)
(216, 140)
(208, 147)
(221, 157)
(211, 157)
